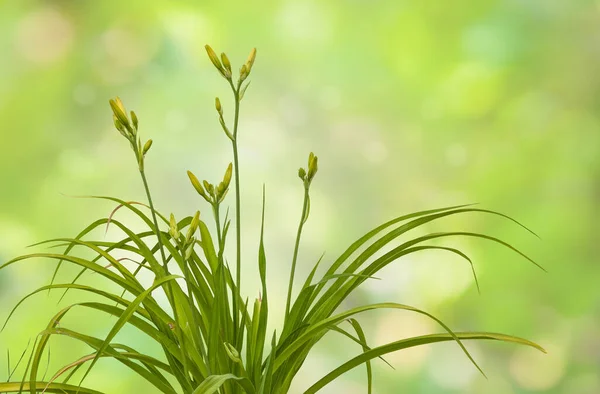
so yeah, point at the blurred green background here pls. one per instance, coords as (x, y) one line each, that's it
(409, 105)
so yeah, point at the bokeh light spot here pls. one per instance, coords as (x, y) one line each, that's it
(44, 36)
(534, 370)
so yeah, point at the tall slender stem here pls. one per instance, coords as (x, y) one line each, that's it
(238, 231)
(218, 223)
(160, 244)
(293, 271)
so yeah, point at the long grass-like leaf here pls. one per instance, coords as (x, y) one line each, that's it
(212, 383)
(411, 342)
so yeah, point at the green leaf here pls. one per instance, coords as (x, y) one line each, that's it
(125, 317)
(363, 339)
(411, 342)
(212, 383)
(52, 388)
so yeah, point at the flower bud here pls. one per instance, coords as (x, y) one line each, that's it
(147, 146)
(226, 62)
(302, 173)
(243, 72)
(189, 249)
(215, 60)
(220, 190)
(119, 111)
(222, 196)
(232, 352)
(227, 176)
(312, 166)
(209, 188)
(213, 57)
(218, 106)
(193, 227)
(250, 60)
(119, 126)
(134, 119)
(197, 185)
(173, 230)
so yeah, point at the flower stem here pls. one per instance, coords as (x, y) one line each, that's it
(237, 202)
(160, 244)
(293, 271)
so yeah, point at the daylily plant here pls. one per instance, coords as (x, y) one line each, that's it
(212, 339)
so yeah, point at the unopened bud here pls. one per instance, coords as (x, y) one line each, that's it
(226, 62)
(220, 190)
(312, 166)
(173, 230)
(222, 196)
(189, 250)
(232, 352)
(243, 72)
(218, 106)
(302, 173)
(119, 111)
(227, 176)
(250, 60)
(193, 227)
(134, 119)
(197, 185)
(147, 146)
(215, 60)
(209, 188)
(119, 126)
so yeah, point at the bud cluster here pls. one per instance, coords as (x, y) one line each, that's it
(212, 195)
(307, 176)
(129, 129)
(190, 239)
(224, 66)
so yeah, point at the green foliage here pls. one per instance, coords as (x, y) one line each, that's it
(212, 341)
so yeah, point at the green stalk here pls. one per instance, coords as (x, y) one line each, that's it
(218, 222)
(238, 232)
(296, 246)
(149, 196)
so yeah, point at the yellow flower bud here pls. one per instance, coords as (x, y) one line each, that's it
(173, 230)
(119, 126)
(120, 104)
(222, 196)
(209, 188)
(250, 60)
(218, 106)
(220, 191)
(243, 72)
(147, 146)
(193, 227)
(312, 166)
(226, 62)
(213, 57)
(197, 185)
(119, 111)
(215, 60)
(134, 119)
(227, 176)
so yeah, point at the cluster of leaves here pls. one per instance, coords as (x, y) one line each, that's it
(212, 340)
